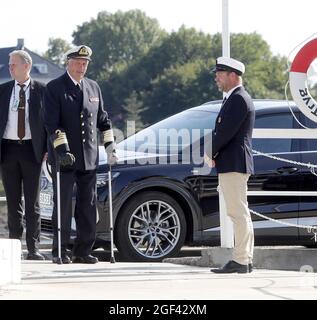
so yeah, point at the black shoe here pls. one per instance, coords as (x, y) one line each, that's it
(232, 267)
(250, 267)
(65, 259)
(87, 259)
(34, 255)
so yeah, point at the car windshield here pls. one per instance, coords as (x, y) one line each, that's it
(173, 134)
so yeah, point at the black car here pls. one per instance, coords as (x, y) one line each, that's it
(164, 196)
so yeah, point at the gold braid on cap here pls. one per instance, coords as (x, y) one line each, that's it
(61, 139)
(83, 52)
(108, 136)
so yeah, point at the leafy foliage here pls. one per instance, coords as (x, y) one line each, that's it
(56, 50)
(146, 74)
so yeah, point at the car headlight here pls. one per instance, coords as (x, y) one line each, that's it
(102, 178)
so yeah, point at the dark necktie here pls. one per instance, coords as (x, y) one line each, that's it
(79, 93)
(21, 113)
(224, 101)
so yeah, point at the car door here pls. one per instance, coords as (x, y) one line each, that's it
(272, 176)
(308, 204)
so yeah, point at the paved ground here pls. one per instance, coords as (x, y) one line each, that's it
(149, 281)
(154, 281)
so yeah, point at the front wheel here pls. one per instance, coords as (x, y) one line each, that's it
(150, 227)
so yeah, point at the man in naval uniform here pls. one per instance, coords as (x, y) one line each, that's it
(232, 157)
(73, 114)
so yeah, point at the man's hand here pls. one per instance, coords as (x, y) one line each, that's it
(66, 159)
(111, 153)
(211, 163)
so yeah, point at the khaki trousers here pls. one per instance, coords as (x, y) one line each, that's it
(234, 187)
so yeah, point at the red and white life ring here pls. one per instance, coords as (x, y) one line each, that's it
(298, 80)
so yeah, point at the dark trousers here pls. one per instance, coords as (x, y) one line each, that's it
(20, 169)
(85, 211)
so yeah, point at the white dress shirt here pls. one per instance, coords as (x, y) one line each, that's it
(75, 82)
(11, 131)
(230, 91)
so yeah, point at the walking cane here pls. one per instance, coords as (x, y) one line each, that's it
(58, 205)
(112, 259)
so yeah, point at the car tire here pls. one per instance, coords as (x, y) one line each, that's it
(150, 227)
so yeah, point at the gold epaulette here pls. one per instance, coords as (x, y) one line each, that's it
(108, 136)
(60, 139)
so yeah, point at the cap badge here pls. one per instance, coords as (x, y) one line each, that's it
(83, 52)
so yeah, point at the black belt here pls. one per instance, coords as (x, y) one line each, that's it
(17, 142)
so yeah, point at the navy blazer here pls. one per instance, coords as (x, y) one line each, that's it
(79, 114)
(232, 137)
(36, 102)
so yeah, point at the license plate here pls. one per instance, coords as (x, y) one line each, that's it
(45, 199)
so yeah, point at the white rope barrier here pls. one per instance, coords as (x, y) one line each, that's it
(310, 229)
(312, 167)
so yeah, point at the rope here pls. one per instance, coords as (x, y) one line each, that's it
(288, 69)
(290, 108)
(311, 167)
(310, 229)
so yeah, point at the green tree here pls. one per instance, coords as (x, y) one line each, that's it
(57, 48)
(266, 75)
(117, 40)
(179, 48)
(178, 88)
(149, 74)
(133, 107)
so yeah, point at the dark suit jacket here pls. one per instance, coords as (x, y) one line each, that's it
(79, 114)
(35, 115)
(232, 137)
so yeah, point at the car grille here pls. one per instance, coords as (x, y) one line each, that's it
(46, 225)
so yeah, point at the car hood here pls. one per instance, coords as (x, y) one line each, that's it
(128, 156)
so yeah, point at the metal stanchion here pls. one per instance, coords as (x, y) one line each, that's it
(112, 259)
(58, 207)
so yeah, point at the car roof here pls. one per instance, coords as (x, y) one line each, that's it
(259, 104)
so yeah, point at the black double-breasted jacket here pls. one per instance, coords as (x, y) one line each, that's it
(80, 113)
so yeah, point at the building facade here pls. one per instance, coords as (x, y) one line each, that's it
(43, 70)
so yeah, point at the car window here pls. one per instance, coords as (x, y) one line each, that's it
(172, 134)
(275, 121)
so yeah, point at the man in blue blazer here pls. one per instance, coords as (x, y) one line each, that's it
(23, 146)
(232, 157)
(73, 114)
